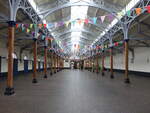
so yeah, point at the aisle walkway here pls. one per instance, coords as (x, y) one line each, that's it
(74, 91)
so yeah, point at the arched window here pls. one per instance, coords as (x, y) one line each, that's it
(14, 56)
(25, 58)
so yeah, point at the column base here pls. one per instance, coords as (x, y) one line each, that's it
(45, 76)
(127, 81)
(9, 91)
(112, 76)
(51, 74)
(103, 74)
(34, 81)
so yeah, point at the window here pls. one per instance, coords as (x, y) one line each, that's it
(25, 58)
(14, 56)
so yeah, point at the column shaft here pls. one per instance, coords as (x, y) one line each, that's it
(126, 62)
(45, 62)
(103, 63)
(35, 61)
(51, 56)
(111, 63)
(97, 66)
(11, 31)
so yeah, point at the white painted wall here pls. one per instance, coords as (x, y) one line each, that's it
(4, 55)
(4, 65)
(30, 65)
(141, 60)
(41, 65)
(20, 65)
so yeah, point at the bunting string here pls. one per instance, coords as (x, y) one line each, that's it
(92, 20)
(106, 46)
(28, 28)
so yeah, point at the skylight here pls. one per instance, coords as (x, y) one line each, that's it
(77, 12)
(35, 7)
(33, 4)
(80, 12)
(129, 6)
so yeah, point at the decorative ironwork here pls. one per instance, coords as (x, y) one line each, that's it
(123, 25)
(125, 22)
(64, 4)
(76, 30)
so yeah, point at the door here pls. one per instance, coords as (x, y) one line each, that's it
(32, 65)
(43, 65)
(26, 66)
(15, 69)
(75, 65)
(39, 67)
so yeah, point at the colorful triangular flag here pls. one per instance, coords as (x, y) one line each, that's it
(73, 22)
(28, 30)
(35, 26)
(120, 14)
(129, 13)
(61, 23)
(33, 34)
(110, 17)
(40, 25)
(17, 25)
(43, 37)
(50, 25)
(94, 19)
(55, 24)
(45, 25)
(86, 21)
(23, 28)
(138, 11)
(148, 8)
(102, 18)
(67, 23)
(79, 21)
(31, 25)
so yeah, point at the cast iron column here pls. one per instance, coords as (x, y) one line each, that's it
(97, 65)
(45, 62)
(11, 31)
(111, 63)
(54, 62)
(51, 55)
(35, 61)
(127, 80)
(103, 63)
(93, 64)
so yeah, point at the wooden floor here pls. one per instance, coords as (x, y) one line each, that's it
(74, 91)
